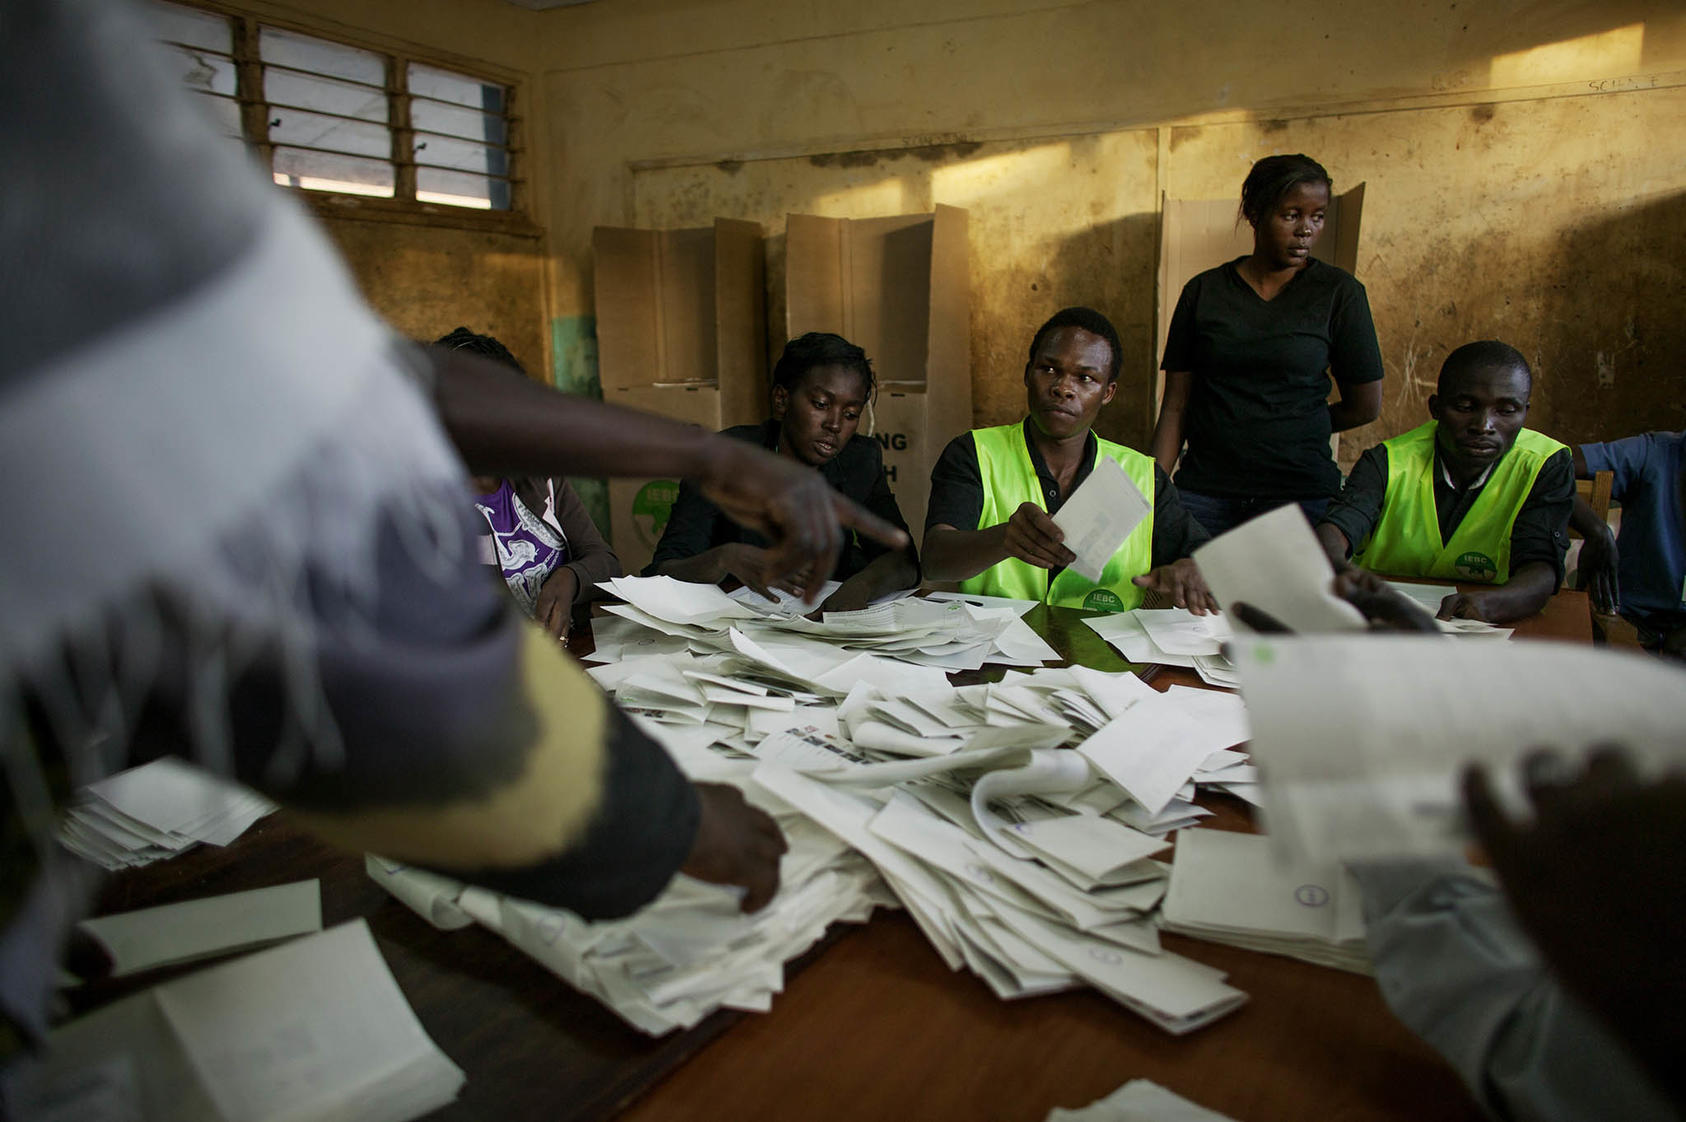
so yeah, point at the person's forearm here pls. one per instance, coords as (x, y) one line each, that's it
(707, 567)
(1334, 543)
(1167, 442)
(1358, 405)
(1168, 438)
(1585, 521)
(1523, 595)
(884, 574)
(508, 426)
(952, 554)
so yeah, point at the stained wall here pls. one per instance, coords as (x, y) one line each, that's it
(1523, 161)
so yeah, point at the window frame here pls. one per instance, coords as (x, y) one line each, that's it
(245, 28)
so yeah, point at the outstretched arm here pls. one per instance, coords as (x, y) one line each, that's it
(505, 426)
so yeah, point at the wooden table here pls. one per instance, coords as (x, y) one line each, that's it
(872, 1025)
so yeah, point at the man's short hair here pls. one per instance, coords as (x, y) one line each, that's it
(1484, 354)
(1088, 320)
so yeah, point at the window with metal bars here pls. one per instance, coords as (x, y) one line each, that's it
(330, 116)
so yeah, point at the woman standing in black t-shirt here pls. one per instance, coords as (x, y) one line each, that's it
(1248, 359)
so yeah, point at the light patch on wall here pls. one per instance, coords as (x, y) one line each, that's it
(1606, 53)
(865, 200)
(969, 183)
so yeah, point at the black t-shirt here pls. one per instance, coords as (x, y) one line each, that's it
(1540, 532)
(957, 496)
(696, 525)
(1257, 423)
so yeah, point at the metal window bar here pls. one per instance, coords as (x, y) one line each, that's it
(255, 110)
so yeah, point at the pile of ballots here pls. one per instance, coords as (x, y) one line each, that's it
(1171, 637)
(156, 811)
(1018, 822)
(689, 952)
(890, 641)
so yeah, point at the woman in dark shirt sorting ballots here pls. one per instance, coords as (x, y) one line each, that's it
(821, 385)
(1252, 346)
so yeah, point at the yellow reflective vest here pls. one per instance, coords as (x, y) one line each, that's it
(1406, 540)
(1009, 480)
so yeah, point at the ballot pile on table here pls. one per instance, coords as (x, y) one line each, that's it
(1017, 822)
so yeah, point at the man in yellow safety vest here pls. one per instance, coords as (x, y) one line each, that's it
(1469, 496)
(993, 490)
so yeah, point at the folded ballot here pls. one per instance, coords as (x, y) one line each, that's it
(1234, 888)
(314, 1029)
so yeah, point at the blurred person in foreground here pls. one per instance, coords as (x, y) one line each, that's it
(256, 575)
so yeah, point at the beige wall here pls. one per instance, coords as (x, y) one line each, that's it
(1524, 160)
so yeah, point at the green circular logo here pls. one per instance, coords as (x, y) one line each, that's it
(1475, 566)
(650, 508)
(1103, 600)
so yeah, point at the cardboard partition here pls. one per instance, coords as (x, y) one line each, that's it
(899, 288)
(684, 307)
(638, 507)
(1198, 234)
(900, 425)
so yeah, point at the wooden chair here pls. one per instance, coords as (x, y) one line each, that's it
(1596, 492)
(1612, 629)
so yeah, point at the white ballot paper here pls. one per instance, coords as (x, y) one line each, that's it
(1360, 740)
(1275, 564)
(1234, 888)
(1050, 771)
(312, 1030)
(1099, 516)
(1139, 1100)
(140, 940)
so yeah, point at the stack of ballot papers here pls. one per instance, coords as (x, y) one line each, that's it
(1170, 637)
(1236, 889)
(314, 1029)
(1017, 821)
(1363, 739)
(1139, 1100)
(661, 616)
(154, 811)
(689, 952)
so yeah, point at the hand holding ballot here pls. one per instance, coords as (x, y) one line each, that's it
(1594, 879)
(736, 844)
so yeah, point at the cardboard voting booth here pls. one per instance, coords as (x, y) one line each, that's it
(1198, 234)
(899, 288)
(681, 331)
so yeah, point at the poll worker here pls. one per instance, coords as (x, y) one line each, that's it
(993, 490)
(1555, 996)
(1556, 993)
(822, 385)
(1471, 495)
(538, 536)
(1641, 573)
(286, 587)
(1250, 354)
